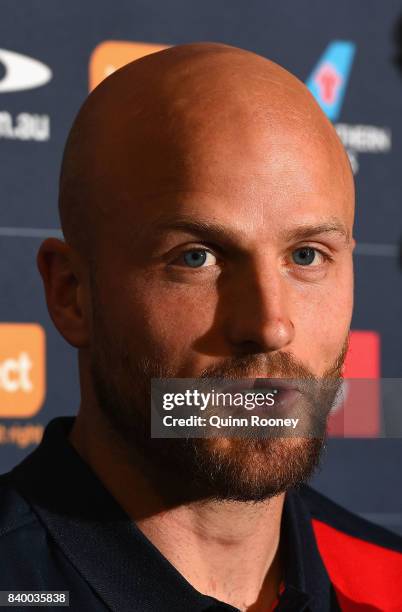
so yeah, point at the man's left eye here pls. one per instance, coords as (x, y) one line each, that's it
(307, 256)
(198, 258)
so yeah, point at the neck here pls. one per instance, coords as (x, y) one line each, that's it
(228, 550)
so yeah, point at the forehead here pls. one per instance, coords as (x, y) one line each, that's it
(259, 179)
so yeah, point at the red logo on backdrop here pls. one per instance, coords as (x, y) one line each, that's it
(359, 415)
(328, 81)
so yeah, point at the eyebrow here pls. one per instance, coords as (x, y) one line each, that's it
(220, 232)
(308, 231)
(202, 228)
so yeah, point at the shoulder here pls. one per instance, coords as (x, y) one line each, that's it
(15, 513)
(23, 540)
(363, 560)
(324, 510)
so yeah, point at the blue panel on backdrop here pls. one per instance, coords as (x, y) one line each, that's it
(329, 78)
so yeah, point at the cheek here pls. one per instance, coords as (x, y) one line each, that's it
(164, 319)
(323, 322)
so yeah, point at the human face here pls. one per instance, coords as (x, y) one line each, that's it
(242, 266)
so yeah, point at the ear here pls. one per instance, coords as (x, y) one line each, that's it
(66, 285)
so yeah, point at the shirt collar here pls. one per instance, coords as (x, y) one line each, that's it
(125, 569)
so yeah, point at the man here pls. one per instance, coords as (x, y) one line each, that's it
(207, 206)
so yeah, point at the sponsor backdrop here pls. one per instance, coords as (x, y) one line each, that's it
(348, 54)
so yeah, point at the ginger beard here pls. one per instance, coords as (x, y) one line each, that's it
(237, 469)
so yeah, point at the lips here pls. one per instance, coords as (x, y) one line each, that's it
(259, 384)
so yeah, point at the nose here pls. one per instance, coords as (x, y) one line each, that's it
(257, 317)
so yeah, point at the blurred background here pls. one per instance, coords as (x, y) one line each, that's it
(347, 52)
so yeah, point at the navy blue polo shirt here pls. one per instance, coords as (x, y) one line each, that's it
(60, 529)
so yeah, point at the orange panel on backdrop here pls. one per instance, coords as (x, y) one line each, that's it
(22, 369)
(111, 55)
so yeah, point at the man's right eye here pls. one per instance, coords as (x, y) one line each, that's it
(196, 258)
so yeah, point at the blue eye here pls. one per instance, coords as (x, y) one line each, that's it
(196, 258)
(305, 256)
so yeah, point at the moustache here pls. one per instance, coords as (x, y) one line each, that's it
(274, 365)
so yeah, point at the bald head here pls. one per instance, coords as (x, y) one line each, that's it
(155, 123)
